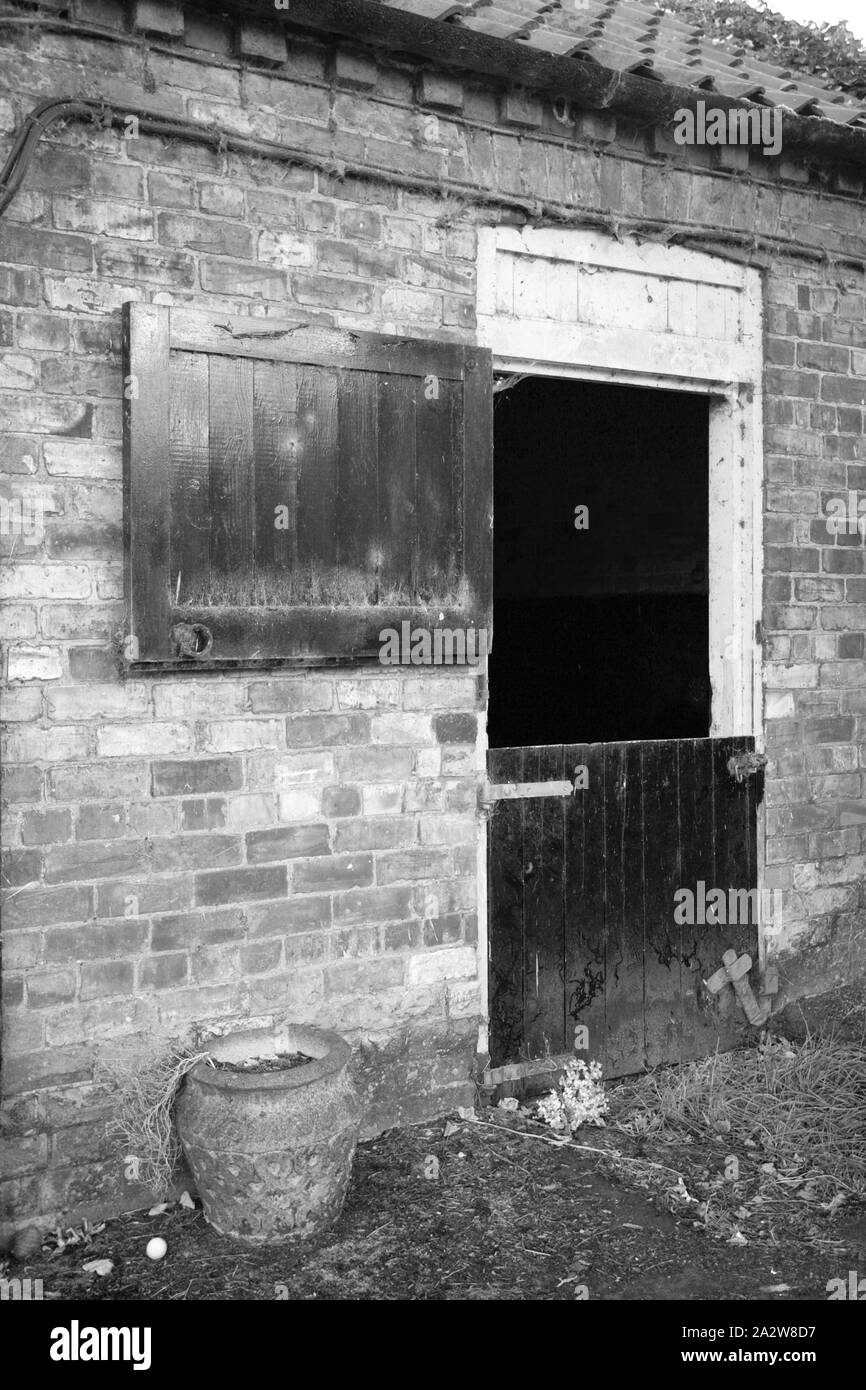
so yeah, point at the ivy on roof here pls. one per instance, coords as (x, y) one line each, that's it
(828, 51)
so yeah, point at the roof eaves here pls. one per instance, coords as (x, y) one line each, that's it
(589, 85)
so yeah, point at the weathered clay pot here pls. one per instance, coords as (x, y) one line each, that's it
(271, 1152)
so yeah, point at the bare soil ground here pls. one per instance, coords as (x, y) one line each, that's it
(508, 1217)
(462, 1210)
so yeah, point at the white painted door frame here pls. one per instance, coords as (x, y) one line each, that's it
(576, 304)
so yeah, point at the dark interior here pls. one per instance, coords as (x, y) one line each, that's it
(599, 634)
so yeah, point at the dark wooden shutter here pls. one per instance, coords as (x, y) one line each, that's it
(293, 489)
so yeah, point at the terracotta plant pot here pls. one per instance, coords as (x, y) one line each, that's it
(271, 1151)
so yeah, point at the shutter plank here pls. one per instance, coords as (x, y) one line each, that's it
(477, 478)
(397, 479)
(317, 467)
(439, 454)
(358, 526)
(190, 477)
(275, 406)
(232, 478)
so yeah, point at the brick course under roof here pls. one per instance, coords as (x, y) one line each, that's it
(642, 37)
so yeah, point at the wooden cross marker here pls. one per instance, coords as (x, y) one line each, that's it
(734, 971)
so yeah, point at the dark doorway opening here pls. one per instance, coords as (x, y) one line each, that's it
(600, 632)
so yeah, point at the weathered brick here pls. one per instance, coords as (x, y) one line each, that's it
(204, 234)
(165, 971)
(189, 930)
(294, 915)
(355, 70)
(95, 940)
(290, 696)
(373, 905)
(158, 17)
(287, 842)
(196, 777)
(455, 728)
(51, 250)
(53, 1066)
(237, 735)
(195, 852)
(20, 867)
(49, 827)
(340, 801)
(48, 988)
(240, 885)
(204, 813)
(384, 832)
(230, 277)
(104, 978)
(411, 864)
(97, 782)
(374, 764)
(332, 873)
(359, 978)
(435, 966)
(91, 664)
(131, 741)
(24, 784)
(42, 907)
(90, 859)
(304, 804)
(438, 89)
(170, 190)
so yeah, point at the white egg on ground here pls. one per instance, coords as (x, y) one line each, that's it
(156, 1248)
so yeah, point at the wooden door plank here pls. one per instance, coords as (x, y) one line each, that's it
(662, 983)
(543, 845)
(232, 478)
(505, 893)
(190, 477)
(624, 872)
(699, 940)
(735, 866)
(584, 902)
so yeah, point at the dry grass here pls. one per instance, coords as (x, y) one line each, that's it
(144, 1123)
(800, 1107)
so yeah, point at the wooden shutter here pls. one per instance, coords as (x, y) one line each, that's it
(293, 489)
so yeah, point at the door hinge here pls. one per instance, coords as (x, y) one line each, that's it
(743, 765)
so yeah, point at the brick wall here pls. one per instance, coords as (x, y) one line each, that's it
(182, 851)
